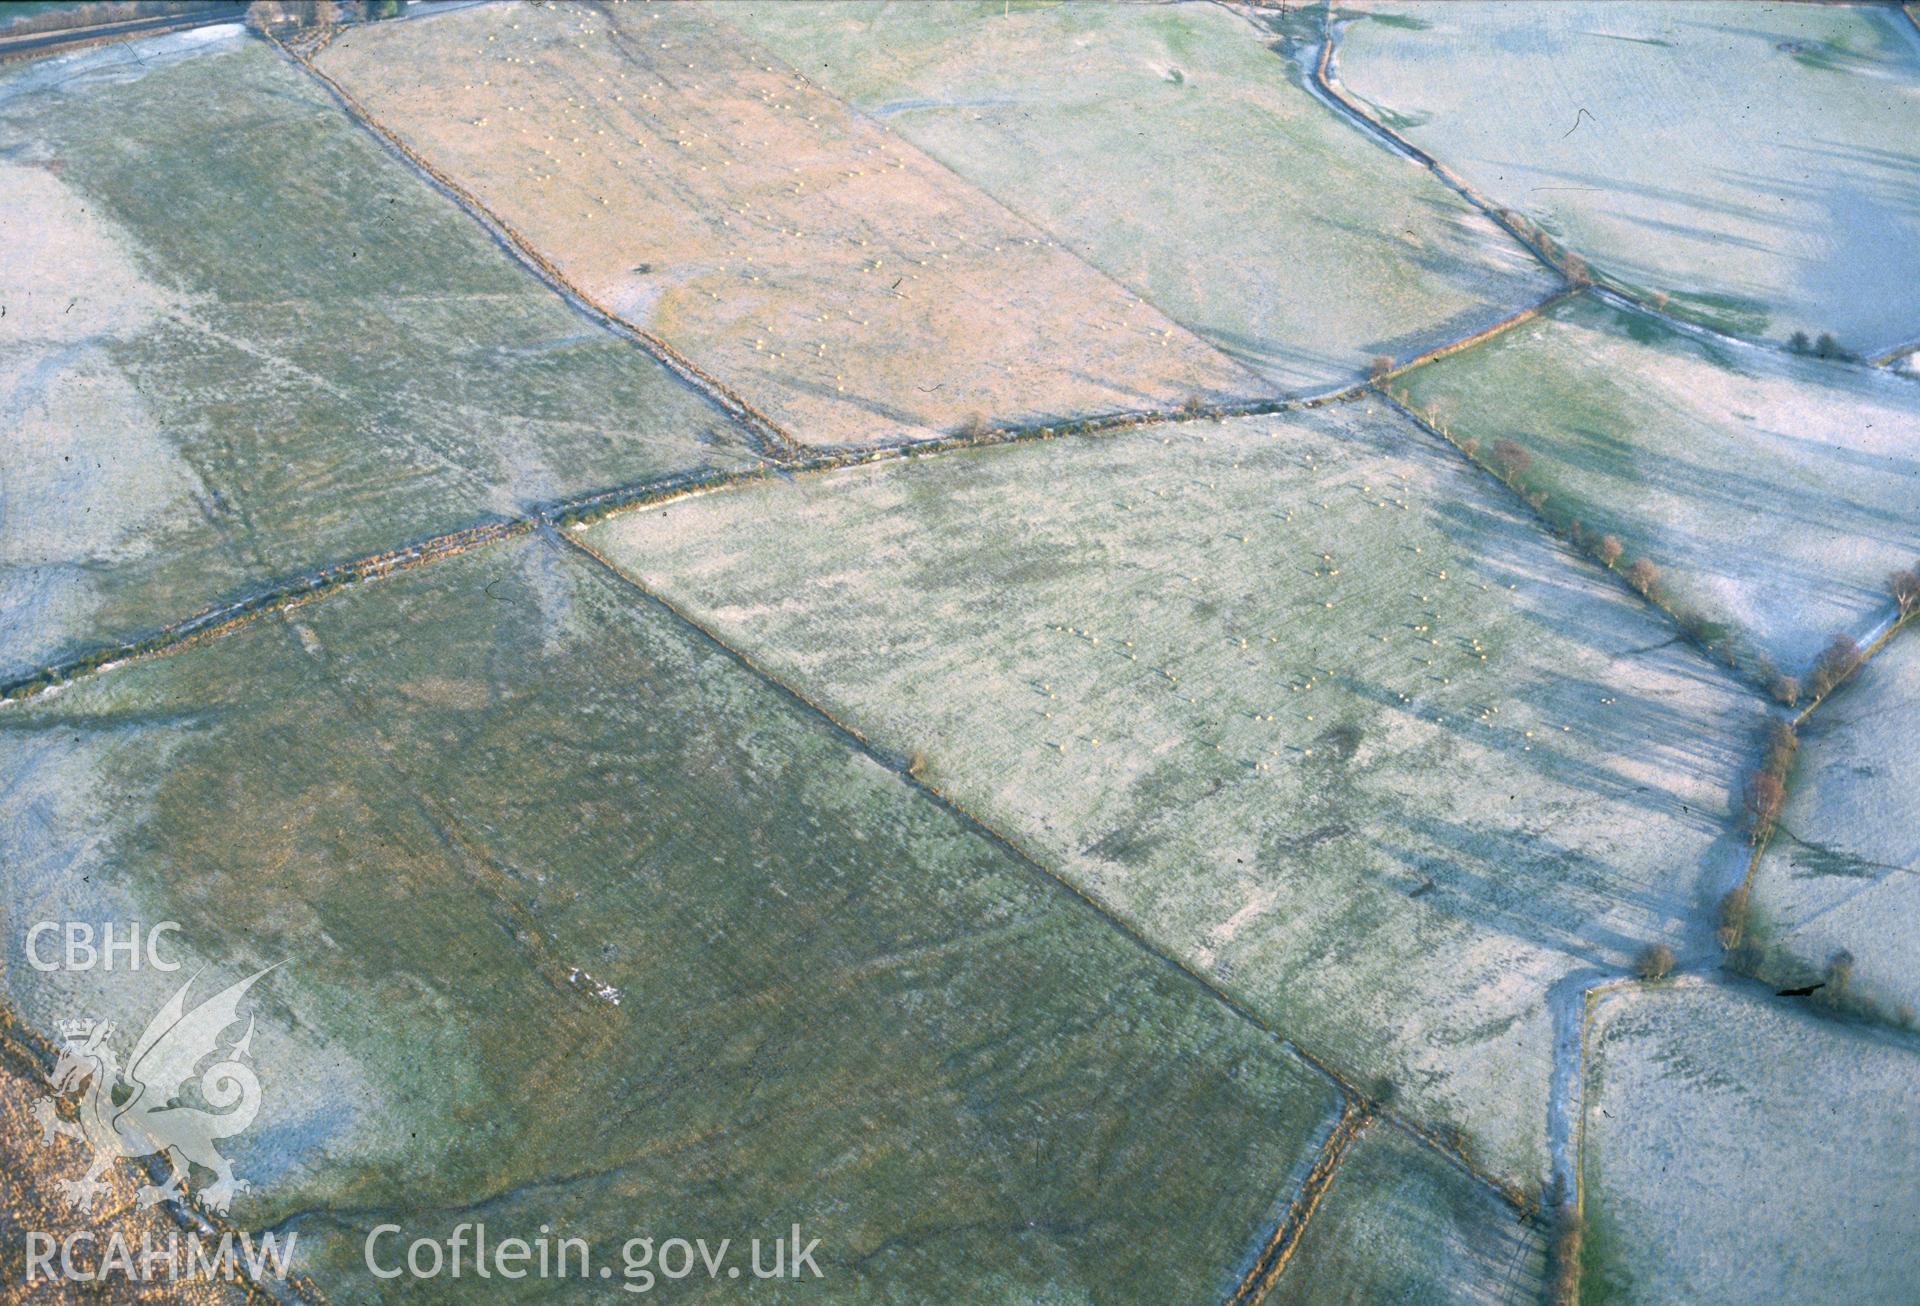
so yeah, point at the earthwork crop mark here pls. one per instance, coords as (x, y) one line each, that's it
(594, 505)
(782, 454)
(907, 772)
(770, 439)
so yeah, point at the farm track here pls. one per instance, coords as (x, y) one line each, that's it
(786, 457)
(1328, 83)
(1568, 1118)
(1566, 1107)
(1591, 997)
(555, 521)
(1573, 1018)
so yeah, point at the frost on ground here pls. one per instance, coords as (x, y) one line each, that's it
(463, 804)
(192, 411)
(1841, 876)
(1402, 1224)
(828, 271)
(1300, 698)
(1170, 148)
(88, 483)
(1774, 494)
(1751, 165)
(1739, 1148)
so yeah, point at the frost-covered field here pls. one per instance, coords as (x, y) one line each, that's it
(1751, 164)
(1739, 1150)
(1842, 874)
(1400, 1224)
(1173, 150)
(1774, 493)
(193, 409)
(703, 579)
(1302, 698)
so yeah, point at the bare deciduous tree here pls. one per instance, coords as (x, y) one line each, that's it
(1655, 962)
(1836, 665)
(1905, 587)
(1782, 745)
(1733, 915)
(1511, 460)
(1766, 795)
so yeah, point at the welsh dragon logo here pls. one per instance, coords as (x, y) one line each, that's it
(138, 1112)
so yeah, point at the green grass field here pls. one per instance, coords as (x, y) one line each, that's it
(583, 921)
(1301, 698)
(1751, 164)
(1170, 148)
(1775, 494)
(244, 341)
